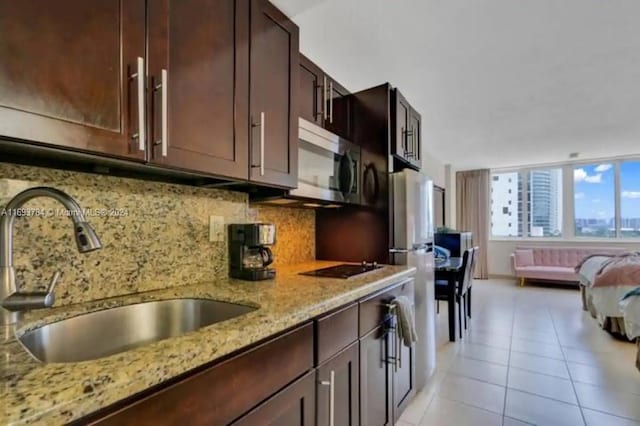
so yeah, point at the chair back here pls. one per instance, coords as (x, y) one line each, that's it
(472, 270)
(463, 281)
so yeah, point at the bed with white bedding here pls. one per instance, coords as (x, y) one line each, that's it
(605, 280)
(630, 306)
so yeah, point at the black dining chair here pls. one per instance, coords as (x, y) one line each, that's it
(464, 289)
(467, 295)
(442, 286)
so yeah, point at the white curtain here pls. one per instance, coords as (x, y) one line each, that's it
(472, 212)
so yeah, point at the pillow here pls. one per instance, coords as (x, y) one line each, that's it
(524, 257)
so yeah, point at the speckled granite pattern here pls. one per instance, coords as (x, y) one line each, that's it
(35, 393)
(296, 238)
(157, 236)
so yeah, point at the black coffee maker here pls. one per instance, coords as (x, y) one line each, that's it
(249, 254)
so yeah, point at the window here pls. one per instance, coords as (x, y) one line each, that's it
(630, 199)
(504, 189)
(594, 200)
(539, 212)
(604, 198)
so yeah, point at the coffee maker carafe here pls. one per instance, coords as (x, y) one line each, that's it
(249, 252)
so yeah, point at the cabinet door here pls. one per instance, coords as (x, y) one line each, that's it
(310, 95)
(401, 127)
(414, 140)
(403, 368)
(274, 66)
(202, 45)
(338, 389)
(339, 109)
(376, 406)
(66, 73)
(293, 406)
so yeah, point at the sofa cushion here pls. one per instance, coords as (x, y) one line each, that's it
(554, 273)
(524, 257)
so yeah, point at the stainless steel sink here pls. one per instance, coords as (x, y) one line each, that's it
(111, 331)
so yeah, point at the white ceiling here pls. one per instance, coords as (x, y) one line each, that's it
(498, 82)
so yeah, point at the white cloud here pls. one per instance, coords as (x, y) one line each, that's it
(595, 200)
(603, 168)
(581, 175)
(630, 194)
(579, 195)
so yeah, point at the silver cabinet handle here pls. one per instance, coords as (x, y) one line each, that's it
(262, 122)
(325, 114)
(261, 125)
(399, 347)
(332, 396)
(139, 75)
(164, 130)
(331, 102)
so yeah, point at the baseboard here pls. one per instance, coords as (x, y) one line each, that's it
(502, 276)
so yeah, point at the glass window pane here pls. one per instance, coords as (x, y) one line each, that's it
(506, 202)
(545, 203)
(630, 199)
(593, 190)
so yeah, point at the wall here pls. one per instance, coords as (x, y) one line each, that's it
(500, 251)
(296, 233)
(433, 168)
(159, 240)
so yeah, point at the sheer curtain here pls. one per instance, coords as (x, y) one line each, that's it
(472, 212)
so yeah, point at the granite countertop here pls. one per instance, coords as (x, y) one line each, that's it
(37, 393)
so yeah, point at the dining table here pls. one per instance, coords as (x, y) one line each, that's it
(449, 270)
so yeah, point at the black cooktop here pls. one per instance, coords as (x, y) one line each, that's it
(345, 270)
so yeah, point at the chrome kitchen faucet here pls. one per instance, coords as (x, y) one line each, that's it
(11, 300)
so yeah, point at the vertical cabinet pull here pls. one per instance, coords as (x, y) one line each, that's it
(262, 143)
(261, 125)
(331, 102)
(164, 110)
(139, 75)
(332, 396)
(325, 113)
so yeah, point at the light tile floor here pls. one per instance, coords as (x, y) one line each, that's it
(530, 356)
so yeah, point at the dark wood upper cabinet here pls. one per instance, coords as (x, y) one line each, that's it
(310, 95)
(324, 101)
(415, 139)
(339, 108)
(274, 68)
(201, 48)
(400, 147)
(338, 389)
(66, 74)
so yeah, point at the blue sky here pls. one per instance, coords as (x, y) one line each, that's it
(594, 190)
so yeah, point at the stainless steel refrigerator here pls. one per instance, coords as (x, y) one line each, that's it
(411, 241)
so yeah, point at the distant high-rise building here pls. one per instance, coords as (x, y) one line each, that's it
(545, 201)
(505, 215)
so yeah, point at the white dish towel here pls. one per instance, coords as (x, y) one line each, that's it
(406, 321)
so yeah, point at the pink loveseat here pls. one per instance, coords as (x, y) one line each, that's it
(554, 264)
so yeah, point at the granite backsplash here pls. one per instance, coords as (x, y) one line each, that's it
(154, 235)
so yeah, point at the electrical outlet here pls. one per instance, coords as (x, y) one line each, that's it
(216, 229)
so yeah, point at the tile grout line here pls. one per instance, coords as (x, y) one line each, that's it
(506, 385)
(573, 386)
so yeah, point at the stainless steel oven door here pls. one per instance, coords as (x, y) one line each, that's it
(328, 166)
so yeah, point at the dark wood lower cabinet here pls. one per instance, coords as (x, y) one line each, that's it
(376, 406)
(345, 368)
(293, 406)
(224, 392)
(338, 389)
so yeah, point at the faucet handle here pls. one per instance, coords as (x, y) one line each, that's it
(53, 282)
(50, 297)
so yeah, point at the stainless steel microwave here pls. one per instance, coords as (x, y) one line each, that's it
(328, 166)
